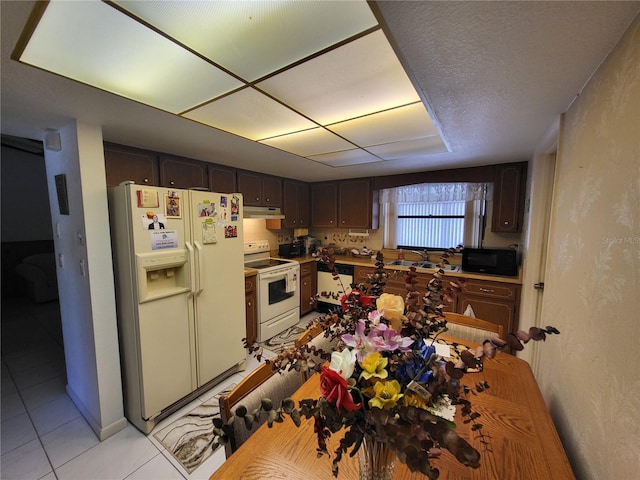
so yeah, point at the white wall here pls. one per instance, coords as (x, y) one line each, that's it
(85, 278)
(589, 374)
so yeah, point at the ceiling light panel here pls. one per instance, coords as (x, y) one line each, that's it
(309, 142)
(250, 114)
(410, 148)
(255, 38)
(95, 44)
(402, 123)
(359, 78)
(345, 158)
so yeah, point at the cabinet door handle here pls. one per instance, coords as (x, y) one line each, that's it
(146, 180)
(172, 182)
(487, 290)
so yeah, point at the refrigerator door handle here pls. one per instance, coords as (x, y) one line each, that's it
(199, 254)
(192, 266)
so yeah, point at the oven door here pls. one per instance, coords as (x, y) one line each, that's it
(278, 291)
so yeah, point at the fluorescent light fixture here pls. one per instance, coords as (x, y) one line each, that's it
(95, 44)
(356, 79)
(309, 142)
(316, 79)
(250, 114)
(347, 157)
(402, 123)
(254, 38)
(410, 148)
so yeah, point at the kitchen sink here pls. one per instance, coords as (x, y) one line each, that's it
(419, 264)
(408, 263)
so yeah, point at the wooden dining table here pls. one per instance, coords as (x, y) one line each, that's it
(523, 443)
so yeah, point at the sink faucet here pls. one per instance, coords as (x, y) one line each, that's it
(423, 253)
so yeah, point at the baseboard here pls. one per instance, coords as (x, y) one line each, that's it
(102, 432)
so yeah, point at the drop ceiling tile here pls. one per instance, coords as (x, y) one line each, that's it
(249, 114)
(410, 148)
(309, 142)
(403, 123)
(252, 38)
(359, 78)
(347, 157)
(95, 44)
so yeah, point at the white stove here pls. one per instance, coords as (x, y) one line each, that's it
(257, 255)
(278, 291)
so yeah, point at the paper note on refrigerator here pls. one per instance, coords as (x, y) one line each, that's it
(209, 231)
(161, 239)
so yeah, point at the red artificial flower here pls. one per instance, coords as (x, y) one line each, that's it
(363, 300)
(334, 389)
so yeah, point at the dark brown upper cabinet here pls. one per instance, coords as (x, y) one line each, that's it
(509, 197)
(324, 204)
(260, 190)
(355, 204)
(128, 163)
(177, 172)
(295, 204)
(222, 179)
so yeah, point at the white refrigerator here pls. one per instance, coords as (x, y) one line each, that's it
(178, 257)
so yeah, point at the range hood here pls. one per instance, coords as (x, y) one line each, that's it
(271, 213)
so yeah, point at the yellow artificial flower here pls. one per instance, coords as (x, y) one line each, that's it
(387, 394)
(374, 365)
(392, 308)
(412, 399)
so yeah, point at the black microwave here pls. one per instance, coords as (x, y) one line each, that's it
(494, 261)
(291, 250)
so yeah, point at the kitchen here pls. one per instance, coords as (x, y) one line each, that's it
(578, 163)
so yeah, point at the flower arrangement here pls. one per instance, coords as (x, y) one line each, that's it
(383, 383)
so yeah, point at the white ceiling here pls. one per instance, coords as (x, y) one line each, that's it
(495, 75)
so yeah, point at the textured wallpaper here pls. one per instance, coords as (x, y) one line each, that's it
(590, 374)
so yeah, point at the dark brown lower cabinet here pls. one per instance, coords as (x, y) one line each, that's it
(251, 308)
(308, 286)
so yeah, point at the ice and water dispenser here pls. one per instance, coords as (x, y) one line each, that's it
(162, 274)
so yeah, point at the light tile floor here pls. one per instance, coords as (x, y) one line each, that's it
(43, 434)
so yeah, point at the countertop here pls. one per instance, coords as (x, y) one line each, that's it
(369, 262)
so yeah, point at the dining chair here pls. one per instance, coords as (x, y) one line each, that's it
(261, 383)
(470, 328)
(314, 336)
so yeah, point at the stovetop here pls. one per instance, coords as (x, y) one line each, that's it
(256, 255)
(265, 263)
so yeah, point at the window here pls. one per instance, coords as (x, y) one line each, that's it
(433, 216)
(430, 225)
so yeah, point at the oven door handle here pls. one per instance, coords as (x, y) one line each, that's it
(269, 276)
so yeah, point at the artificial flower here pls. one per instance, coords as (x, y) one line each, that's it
(362, 299)
(374, 365)
(335, 390)
(412, 399)
(387, 394)
(392, 308)
(343, 362)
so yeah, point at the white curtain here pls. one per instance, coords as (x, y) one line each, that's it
(473, 194)
(434, 192)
